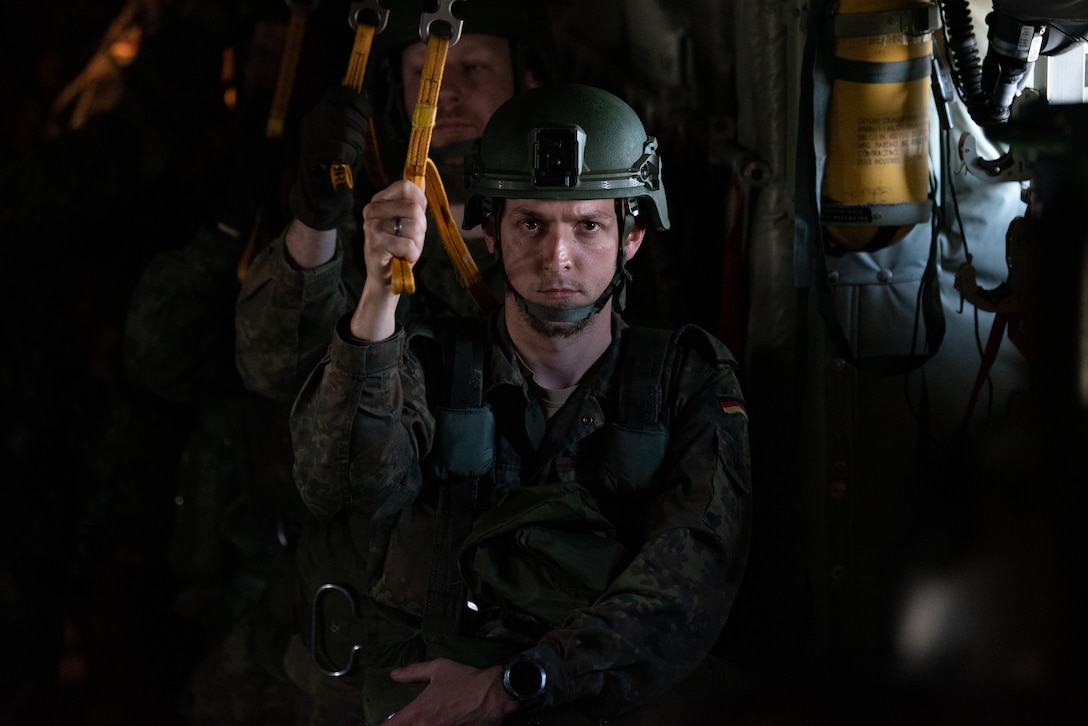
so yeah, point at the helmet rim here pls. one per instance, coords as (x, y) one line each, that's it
(566, 141)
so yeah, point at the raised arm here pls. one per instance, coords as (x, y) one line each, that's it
(394, 225)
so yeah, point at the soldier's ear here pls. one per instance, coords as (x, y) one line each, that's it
(531, 79)
(634, 240)
(488, 228)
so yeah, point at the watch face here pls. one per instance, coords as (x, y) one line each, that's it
(524, 679)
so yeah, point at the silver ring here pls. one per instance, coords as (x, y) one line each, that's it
(396, 227)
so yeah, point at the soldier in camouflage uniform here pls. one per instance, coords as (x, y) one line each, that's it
(310, 274)
(597, 555)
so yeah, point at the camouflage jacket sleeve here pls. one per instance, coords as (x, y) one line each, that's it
(284, 318)
(361, 417)
(179, 330)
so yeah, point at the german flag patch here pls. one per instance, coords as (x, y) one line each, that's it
(731, 405)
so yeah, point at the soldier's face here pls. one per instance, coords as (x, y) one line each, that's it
(561, 253)
(477, 78)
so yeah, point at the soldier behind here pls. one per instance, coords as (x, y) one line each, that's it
(543, 517)
(310, 275)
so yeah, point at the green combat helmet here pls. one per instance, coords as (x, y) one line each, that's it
(568, 141)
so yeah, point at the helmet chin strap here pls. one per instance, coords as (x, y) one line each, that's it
(617, 287)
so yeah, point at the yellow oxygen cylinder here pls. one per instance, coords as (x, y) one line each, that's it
(876, 173)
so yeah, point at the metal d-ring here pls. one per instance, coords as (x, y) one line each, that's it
(315, 636)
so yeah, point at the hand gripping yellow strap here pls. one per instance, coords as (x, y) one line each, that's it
(463, 264)
(419, 143)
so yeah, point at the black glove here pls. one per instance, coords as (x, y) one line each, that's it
(334, 131)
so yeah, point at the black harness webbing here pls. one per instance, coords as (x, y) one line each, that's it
(640, 381)
(457, 429)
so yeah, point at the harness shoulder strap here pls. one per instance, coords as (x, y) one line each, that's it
(640, 378)
(463, 452)
(638, 437)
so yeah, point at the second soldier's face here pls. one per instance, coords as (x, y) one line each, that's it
(477, 78)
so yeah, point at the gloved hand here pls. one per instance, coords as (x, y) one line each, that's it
(334, 131)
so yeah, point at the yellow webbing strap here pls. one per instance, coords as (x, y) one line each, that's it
(285, 83)
(360, 53)
(419, 143)
(339, 172)
(463, 264)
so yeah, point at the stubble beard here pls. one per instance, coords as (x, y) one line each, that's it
(555, 330)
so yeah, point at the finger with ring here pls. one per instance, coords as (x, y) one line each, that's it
(397, 228)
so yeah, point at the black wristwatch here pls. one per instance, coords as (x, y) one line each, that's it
(524, 679)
